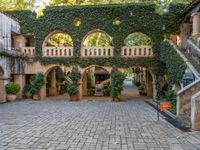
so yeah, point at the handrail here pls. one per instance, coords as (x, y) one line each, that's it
(188, 87)
(197, 75)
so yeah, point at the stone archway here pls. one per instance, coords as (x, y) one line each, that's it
(145, 77)
(2, 86)
(98, 75)
(54, 77)
(47, 70)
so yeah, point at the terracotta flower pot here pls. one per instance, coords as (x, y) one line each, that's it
(116, 100)
(28, 95)
(11, 97)
(36, 97)
(74, 98)
(141, 92)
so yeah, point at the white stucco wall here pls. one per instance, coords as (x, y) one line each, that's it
(7, 26)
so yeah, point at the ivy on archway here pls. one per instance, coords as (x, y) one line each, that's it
(133, 18)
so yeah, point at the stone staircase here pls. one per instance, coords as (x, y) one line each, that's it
(187, 106)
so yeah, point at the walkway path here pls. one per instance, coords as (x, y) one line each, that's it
(89, 125)
(130, 91)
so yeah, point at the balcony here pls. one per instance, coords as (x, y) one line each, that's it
(97, 51)
(58, 51)
(28, 51)
(93, 51)
(137, 51)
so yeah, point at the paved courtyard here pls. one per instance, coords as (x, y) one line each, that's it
(89, 125)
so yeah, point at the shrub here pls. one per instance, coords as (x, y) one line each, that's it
(107, 91)
(72, 89)
(91, 91)
(27, 89)
(37, 83)
(75, 75)
(116, 83)
(12, 88)
(171, 96)
(141, 87)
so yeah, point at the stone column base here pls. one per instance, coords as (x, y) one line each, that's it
(53, 91)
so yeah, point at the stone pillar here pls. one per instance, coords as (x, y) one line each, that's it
(154, 90)
(80, 90)
(19, 41)
(53, 89)
(149, 84)
(184, 34)
(2, 91)
(84, 81)
(93, 76)
(196, 24)
(176, 87)
(21, 80)
(195, 111)
(144, 75)
(43, 93)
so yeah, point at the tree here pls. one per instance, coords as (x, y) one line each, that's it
(136, 39)
(16, 4)
(60, 39)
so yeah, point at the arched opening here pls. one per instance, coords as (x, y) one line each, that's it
(55, 82)
(2, 87)
(97, 43)
(96, 82)
(137, 45)
(58, 44)
(138, 83)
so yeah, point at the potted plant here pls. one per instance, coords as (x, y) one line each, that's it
(72, 90)
(12, 89)
(27, 91)
(36, 84)
(141, 89)
(117, 79)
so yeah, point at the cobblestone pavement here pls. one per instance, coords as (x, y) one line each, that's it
(89, 125)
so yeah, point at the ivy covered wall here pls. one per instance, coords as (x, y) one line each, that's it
(133, 18)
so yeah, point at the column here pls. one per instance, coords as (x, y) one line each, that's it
(195, 111)
(196, 24)
(149, 85)
(144, 75)
(43, 93)
(53, 88)
(80, 92)
(85, 90)
(2, 91)
(184, 34)
(21, 80)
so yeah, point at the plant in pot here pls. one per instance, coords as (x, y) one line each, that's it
(141, 89)
(36, 84)
(117, 79)
(72, 90)
(27, 91)
(12, 89)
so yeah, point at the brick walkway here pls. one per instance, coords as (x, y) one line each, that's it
(89, 125)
